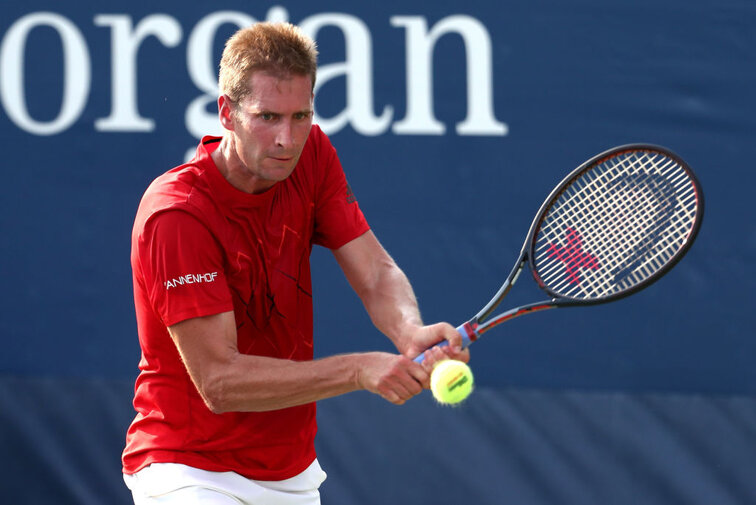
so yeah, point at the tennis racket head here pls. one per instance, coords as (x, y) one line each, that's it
(615, 225)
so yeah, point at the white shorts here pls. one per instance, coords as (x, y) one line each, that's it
(173, 483)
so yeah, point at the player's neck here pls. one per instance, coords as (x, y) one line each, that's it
(235, 172)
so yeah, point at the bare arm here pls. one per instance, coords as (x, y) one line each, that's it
(388, 297)
(230, 381)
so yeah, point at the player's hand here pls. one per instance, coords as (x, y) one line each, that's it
(425, 337)
(394, 377)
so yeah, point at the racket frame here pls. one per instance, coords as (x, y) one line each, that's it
(482, 321)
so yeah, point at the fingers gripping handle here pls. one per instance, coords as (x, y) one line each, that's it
(468, 337)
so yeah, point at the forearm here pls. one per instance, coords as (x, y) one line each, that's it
(390, 301)
(245, 383)
(392, 305)
(383, 288)
(229, 381)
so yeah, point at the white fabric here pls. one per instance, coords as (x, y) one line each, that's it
(172, 483)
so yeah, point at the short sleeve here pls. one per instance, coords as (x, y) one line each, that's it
(338, 217)
(182, 268)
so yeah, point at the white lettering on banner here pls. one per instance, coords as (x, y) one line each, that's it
(420, 43)
(191, 279)
(125, 42)
(127, 38)
(359, 72)
(76, 73)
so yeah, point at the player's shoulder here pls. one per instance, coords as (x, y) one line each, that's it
(175, 185)
(178, 183)
(181, 188)
(316, 133)
(318, 153)
(318, 143)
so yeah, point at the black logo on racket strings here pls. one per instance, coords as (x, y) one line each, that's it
(658, 196)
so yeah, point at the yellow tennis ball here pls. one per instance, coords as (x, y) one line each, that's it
(451, 381)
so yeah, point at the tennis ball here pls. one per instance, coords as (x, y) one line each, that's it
(451, 381)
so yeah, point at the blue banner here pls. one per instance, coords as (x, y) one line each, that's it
(453, 122)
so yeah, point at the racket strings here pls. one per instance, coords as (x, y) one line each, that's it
(615, 225)
(635, 225)
(630, 222)
(598, 232)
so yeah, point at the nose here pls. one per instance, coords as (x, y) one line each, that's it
(284, 135)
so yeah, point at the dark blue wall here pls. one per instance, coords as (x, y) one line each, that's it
(567, 79)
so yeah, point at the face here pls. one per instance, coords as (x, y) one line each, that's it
(270, 127)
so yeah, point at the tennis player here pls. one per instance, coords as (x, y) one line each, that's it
(226, 394)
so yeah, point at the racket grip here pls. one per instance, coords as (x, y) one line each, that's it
(466, 341)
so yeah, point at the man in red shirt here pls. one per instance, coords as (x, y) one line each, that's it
(226, 394)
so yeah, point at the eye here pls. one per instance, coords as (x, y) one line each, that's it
(267, 116)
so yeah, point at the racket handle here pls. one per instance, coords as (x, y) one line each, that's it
(466, 341)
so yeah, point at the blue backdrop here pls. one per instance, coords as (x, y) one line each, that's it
(453, 122)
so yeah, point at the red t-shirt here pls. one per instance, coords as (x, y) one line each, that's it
(202, 247)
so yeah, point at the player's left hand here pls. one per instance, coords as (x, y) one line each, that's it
(425, 338)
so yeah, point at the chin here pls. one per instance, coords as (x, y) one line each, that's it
(282, 170)
(279, 174)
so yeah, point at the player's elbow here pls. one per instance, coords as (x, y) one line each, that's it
(216, 393)
(216, 404)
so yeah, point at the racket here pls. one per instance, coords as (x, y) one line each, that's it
(612, 227)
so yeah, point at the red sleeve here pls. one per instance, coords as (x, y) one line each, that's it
(182, 267)
(338, 218)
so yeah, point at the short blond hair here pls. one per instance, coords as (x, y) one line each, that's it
(281, 49)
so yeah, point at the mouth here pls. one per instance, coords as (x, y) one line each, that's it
(283, 159)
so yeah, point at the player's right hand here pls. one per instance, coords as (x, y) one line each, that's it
(394, 377)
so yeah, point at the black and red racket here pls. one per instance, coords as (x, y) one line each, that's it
(612, 227)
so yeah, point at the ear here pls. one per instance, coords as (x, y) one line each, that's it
(225, 112)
